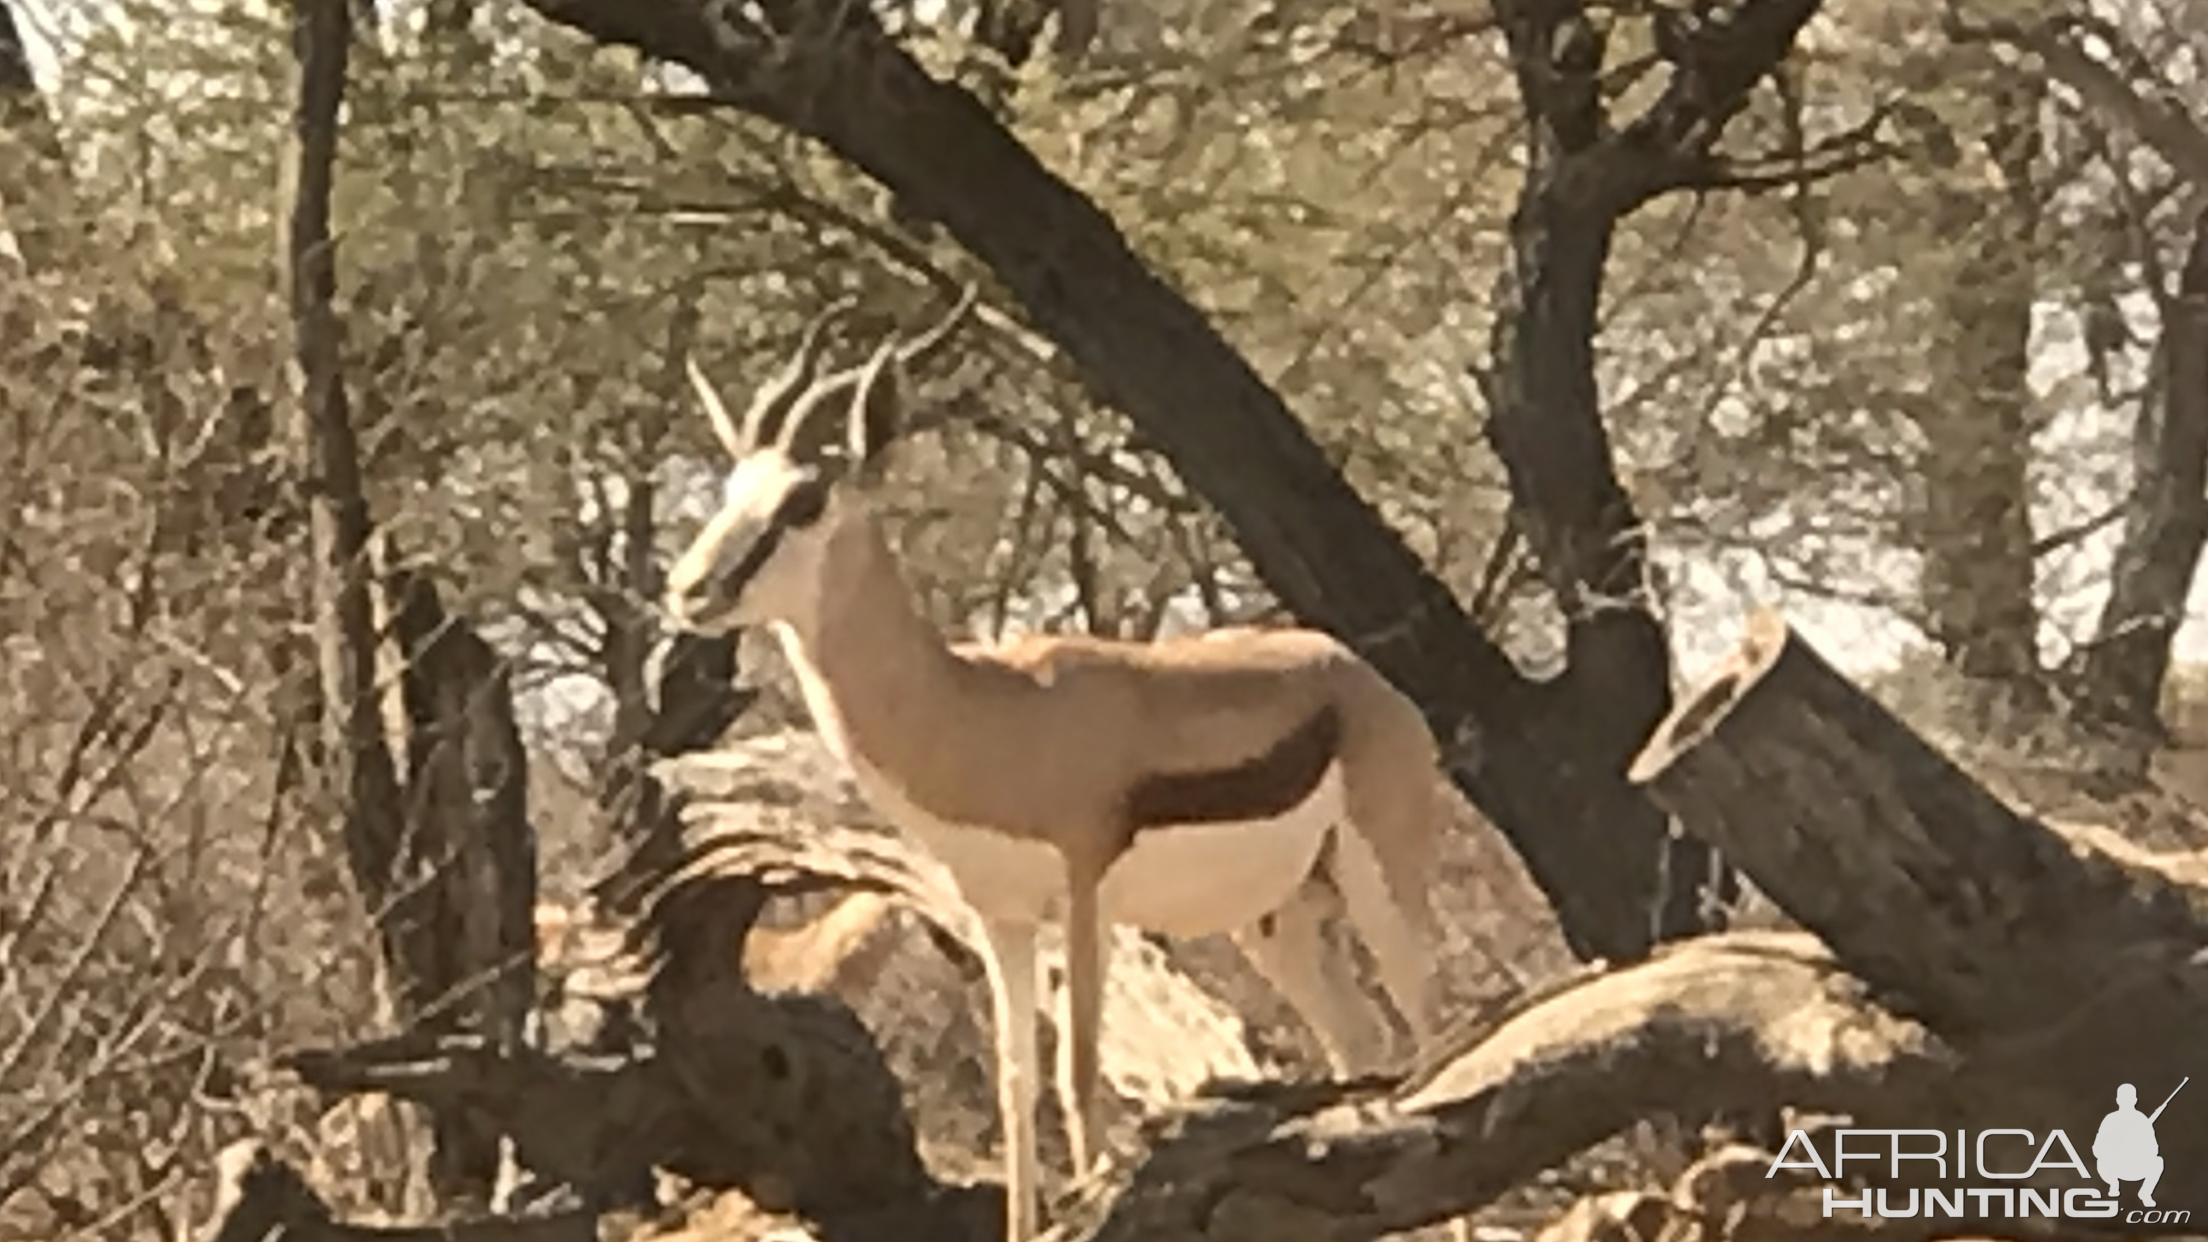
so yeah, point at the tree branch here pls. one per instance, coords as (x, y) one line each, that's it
(1746, 1020)
(259, 1197)
(1965, 968)
(2152, 111)
(1545, 416)
(1316, 544)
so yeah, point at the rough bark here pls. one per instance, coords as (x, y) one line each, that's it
(444, 862)
(2057, 963)
(1977, 969)
(1538, 761)
(356, 763)
(2116, 678)
(465, 914)
(1974, 530)
(821, 1132)
(351, 774)
(822, 1129)
(1743, 1020)
(594, 1126)
(1585, 176)
(259, 1197)
(1924, 883)
(2119, 674)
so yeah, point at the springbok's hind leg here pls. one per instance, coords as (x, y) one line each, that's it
(1290, 948)
(1398, 929)
(1014, 1009)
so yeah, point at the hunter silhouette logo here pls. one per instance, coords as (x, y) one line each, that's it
(1959, 1173)
(2125, 1150)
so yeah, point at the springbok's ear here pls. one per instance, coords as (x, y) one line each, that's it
(876, 406)
(724, 427)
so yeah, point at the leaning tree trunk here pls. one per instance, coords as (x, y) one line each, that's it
(1926, 885)
(1969, 969)
(1586, 175)
(1543, 762)
(350, 773)
(1964, 968)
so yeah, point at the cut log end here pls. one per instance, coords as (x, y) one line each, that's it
(1698, 714)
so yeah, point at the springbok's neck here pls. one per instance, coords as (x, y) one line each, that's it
(872, 665)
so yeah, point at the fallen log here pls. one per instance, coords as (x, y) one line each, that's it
(783, 1097)
(1924, 883)
(259, 1197)
(1971, 969)
(786, 1098)
(597, 1125)
(1965, 968)
(2065, 962)
(1742, 1020)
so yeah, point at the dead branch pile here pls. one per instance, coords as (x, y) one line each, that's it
(1957, 966)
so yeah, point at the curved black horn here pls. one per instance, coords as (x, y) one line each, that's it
(873, 417)
(806, 409)
(771, 407)
(918, 349)
(724, 426)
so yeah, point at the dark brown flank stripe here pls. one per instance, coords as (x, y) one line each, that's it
(1262, 787)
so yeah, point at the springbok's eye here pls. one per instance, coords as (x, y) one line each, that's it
(804, 505)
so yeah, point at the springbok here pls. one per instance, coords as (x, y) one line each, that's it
(1246, 782)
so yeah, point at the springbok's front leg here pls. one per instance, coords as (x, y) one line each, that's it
(1014, 1010)
(1081, 1016)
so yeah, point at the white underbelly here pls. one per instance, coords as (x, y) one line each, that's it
(1184, 881)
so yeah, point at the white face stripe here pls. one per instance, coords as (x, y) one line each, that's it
(768, 472)
(733, 486)
(752, 562)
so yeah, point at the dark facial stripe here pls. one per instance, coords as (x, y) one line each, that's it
(801, 508)
(755, 557)
(1270, 784)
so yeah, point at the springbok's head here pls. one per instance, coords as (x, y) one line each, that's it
(800, 460)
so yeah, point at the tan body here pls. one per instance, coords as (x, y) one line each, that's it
(1045, 745)
(1246, 782)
